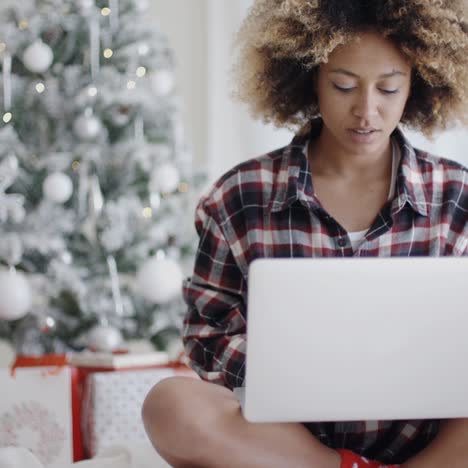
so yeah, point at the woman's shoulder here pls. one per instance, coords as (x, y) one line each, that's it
(264, 162)
(252, 176)
(441, 168)
(445, 182)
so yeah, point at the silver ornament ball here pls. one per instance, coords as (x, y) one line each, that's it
(38, 57)
(162, 82)
(141, 5)
(104, 338)
(15, 295)
(87, 127)
(159, 280)
(86, 6)
(57, 187)
(165, 178)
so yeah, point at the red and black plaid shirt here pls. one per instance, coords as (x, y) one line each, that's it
(266, 207)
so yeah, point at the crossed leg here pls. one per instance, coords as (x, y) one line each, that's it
(194, 424)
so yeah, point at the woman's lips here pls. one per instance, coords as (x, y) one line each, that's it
(359, 137)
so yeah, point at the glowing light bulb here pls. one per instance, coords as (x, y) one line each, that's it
(141, 72)
(183, 187)
(147, 212)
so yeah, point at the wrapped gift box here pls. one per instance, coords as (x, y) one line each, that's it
(50, 365)
(99, 403)
(36, 412)
(111, 405)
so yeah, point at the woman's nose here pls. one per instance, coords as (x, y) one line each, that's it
(366, 105)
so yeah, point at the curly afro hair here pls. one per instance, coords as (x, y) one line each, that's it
(282, 43)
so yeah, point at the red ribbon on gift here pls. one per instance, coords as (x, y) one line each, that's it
(47, 360)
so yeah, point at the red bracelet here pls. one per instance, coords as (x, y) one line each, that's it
(353, 460)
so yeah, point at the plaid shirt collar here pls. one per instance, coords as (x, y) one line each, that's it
(295, 182)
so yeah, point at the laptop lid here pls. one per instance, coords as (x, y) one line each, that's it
(357, 339)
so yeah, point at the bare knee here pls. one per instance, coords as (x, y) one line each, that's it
(181, 415)
(160, 418)
(183, 399)
(161, 405)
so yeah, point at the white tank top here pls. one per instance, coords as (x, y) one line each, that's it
(357, 237)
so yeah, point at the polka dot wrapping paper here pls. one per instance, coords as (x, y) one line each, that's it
(111, 408)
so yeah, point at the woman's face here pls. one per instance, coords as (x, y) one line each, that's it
(362, 92)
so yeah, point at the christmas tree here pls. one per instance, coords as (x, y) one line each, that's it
(96, 181)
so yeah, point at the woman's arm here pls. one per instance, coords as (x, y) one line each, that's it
(449, 449)
(214, 331)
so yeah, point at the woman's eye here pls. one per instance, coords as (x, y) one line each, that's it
(389, 91)
(347, 90)
(340, 88)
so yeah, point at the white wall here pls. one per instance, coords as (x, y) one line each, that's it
(452, 144)
(184, 23)
(233, 135)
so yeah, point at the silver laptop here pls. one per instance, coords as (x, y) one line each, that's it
(356, 339)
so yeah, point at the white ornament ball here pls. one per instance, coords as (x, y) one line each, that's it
(87, 127)
(86, 6)
(38, 57)
(104, 338)
(143, 48)
(165, 178)
(159, 280)
(15, 295)
(162, 82)
(141, 5)
(57, 187)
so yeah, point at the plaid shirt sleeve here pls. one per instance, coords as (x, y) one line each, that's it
(214, 331)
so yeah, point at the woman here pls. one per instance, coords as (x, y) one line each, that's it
(350, 184)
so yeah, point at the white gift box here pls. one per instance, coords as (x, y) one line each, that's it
(36, 413)
(111, 411)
